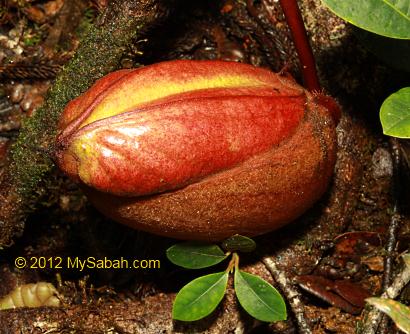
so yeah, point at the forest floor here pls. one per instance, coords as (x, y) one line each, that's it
(334, 253)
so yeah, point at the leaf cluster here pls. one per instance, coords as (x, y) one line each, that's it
(201, 296)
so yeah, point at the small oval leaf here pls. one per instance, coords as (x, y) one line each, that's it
(200, 297)
(260, 299)
(195, 255)
(399, 313)
(395, 114)
(389, 18)
(239, 243)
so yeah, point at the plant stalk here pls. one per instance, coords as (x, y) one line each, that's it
(303, 48)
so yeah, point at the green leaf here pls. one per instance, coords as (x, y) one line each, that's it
(200, 297)
(390, 18)
(260, 299)
(195, 255)
(395, 114)
(399, 313)
(239, 243)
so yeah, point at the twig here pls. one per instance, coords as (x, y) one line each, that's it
(398, 284)
(376, 321)
(393, 291)
(397, 193)
(292, 295)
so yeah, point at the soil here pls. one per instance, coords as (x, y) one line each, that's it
(340, 242)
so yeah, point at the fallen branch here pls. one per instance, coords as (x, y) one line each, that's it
(292, 295)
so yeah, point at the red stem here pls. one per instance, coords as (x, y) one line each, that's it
(297, 28)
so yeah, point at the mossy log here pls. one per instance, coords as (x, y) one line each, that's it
(30, 159)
